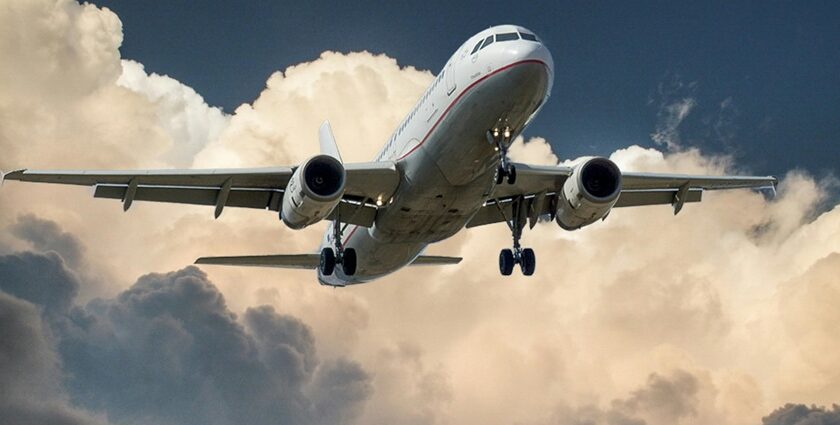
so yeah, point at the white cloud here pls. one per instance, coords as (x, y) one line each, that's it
(181, 112)
(733, 291)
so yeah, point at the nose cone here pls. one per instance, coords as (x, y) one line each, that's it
(532, 51)
(526, 47)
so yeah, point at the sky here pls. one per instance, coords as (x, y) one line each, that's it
(762, 76)
(725, 314)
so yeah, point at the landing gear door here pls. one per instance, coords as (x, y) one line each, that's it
(450, 78)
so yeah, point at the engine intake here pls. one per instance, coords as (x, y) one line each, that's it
(589, 193)
(314, 190)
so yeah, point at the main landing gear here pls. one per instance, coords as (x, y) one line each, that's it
(346, 257)
(508, 258)
(501, 140)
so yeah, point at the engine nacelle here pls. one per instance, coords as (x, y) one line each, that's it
(589, 193)
(314, 190)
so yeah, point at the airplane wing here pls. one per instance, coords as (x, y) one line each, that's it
(539, 186)
(306, 261)
(260, 188)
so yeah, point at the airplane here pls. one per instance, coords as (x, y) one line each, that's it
(445, 168)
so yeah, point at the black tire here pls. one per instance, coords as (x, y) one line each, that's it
(348, 264)
(327, 265)
(529, 261)
(511, 175)
(506, 262)
(500, 175)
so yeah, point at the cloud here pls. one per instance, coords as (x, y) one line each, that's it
(717, 316)
(675, 101)
(181, 112)
(30, 375)
(280, 127)
(167, 350)
(41, 279)
(46, 235)
(66, 96)
(800, 414)
(662, 400)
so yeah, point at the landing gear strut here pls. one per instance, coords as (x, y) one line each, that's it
(508, 258)
(501, 140)
(346, 257)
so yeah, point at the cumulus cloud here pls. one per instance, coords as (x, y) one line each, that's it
(663, 400)
(166, 350)
(180, 111)
(717, 316)
(30, 375)
(800, 414)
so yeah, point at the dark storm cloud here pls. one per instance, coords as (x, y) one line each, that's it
(30, 390)
(800, 414)
(41, 279)
(670, 397)
(45, 235)
(663, 399)
(167, 350)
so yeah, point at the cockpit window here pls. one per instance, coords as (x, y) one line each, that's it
(487, 41)
(477, 46)
(507, 36)
(526, 36)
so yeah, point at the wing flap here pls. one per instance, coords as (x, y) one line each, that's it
(293, 261)
(238, 197)
(637, 181)
(637, 198)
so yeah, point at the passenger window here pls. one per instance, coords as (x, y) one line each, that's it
(477, 46)
(526, 36)
(487, 41)
(507, 36)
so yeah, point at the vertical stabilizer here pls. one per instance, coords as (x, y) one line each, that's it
(327, 140)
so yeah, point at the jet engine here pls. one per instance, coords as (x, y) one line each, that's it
(314, 190)
(589, 193)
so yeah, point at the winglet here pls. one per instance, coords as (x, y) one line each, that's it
(11, 175)
(327, 140)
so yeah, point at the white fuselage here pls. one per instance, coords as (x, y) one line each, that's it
(446, 163)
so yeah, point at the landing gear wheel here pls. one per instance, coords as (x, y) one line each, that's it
(506, 262)
(348, 262)
(327, 265)
(511, 174)
(500, 175)
(528, 262)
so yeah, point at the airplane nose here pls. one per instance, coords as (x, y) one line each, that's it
(535, 51)
(527, 50)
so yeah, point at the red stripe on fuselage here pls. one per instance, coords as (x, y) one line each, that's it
(445, 112)
(452, 104)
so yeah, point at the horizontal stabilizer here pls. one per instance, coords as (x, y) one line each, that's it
(295, 261)
(306, 261)
(435, 260)
(11, 175)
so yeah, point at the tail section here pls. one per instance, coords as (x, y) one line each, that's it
(306, 261)
(299, 261)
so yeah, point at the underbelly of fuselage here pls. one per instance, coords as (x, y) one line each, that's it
(447, 179)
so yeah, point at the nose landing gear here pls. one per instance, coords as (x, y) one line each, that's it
(346, 257)
(501, 139)
(508, 258)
